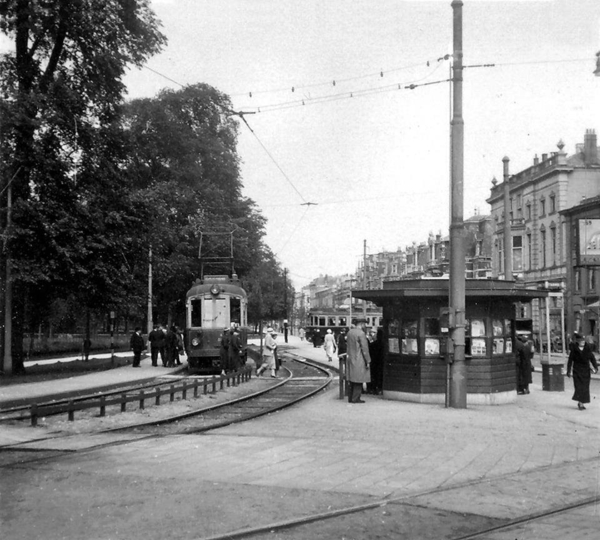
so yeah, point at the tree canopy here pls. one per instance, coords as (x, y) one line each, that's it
(97, 183)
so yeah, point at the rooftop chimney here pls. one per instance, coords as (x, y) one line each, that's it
(536, 160)
(590, 147)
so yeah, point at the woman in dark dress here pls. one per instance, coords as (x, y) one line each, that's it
(580, 358)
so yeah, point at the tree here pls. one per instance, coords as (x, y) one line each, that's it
(61, 92)
(183, 161)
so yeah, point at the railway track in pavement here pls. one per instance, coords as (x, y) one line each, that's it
(302, 380)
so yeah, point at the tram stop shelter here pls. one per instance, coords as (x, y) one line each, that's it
(415, 331)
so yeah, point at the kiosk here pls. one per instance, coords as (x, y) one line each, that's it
(416, 329)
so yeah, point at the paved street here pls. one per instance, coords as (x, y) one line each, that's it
(477, 467)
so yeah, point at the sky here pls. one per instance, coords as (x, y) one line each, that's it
(372, 155)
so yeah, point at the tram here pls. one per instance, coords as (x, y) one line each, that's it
(213, 304)
(336, 320)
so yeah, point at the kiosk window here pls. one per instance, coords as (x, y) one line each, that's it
(508, 336)
(498, 345)
(432, 341)
(394, 327)
(497, 328)
(331, 322)
(321, 321)
(409, 337)
(343, 321)
(236, 310)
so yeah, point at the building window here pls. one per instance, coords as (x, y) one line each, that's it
(578, 279)
(542, 207)
(528, 214)
(517, 253)
(552, 203)
(500, 255)
(591, 280)
(529, 252)
(543, 247)
(553, 245)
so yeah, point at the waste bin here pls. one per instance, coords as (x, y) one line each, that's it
(553, 379)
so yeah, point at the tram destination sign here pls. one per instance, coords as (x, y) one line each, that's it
(588, 242)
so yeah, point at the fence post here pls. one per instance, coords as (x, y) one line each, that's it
(102, 406)
(71, 412)
(184, 391)
(214, 384)
(205, 386)
(141, 399)
(34, 415)
(157, 400)
(172, 393)
(123, 402)
(195, 388)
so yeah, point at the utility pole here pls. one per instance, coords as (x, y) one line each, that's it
(8, 296)
(458, 370)
(150, 321)
(508, 272)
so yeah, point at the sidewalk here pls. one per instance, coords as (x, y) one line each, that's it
(15, 395)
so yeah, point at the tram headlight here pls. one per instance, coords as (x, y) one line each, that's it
(196, 342)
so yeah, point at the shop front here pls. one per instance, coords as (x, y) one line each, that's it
(416, 339)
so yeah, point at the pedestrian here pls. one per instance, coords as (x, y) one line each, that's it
(329, 345)
(581, 362)
(171, 346)
(523, 353)
(180, 346)
(87, 346)
(157, 345)
(359, 361)
(276, 352)
(268, 360)
(376, 352)
(224, 351)
(342, 344)
(235, 348)
(301, 333)
(137, 346)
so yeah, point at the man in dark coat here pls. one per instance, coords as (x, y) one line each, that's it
(137, 346)
(235, 348)
(581, 360)
(224, 351)
(171, 343)
(359, 361)
(524, 354)
(157, 345)
(376, 352)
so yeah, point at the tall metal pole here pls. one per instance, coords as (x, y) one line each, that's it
(508, 270)
(150, 321)
(8, 296)
(458, 382)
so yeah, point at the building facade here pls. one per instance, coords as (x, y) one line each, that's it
(538, 233)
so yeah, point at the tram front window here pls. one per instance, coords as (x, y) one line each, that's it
(196, 318)
(236, 310)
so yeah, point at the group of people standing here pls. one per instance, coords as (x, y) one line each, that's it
(168, 344)
(231, 349)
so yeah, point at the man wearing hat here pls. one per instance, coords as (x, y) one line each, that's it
(268, 354)
(359, 360)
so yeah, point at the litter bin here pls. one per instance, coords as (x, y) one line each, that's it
(553, 379)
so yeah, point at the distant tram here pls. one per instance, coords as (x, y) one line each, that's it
(213, 304)
(319, 321)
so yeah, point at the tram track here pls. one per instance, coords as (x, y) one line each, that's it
(304, 379)
(478, 525)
